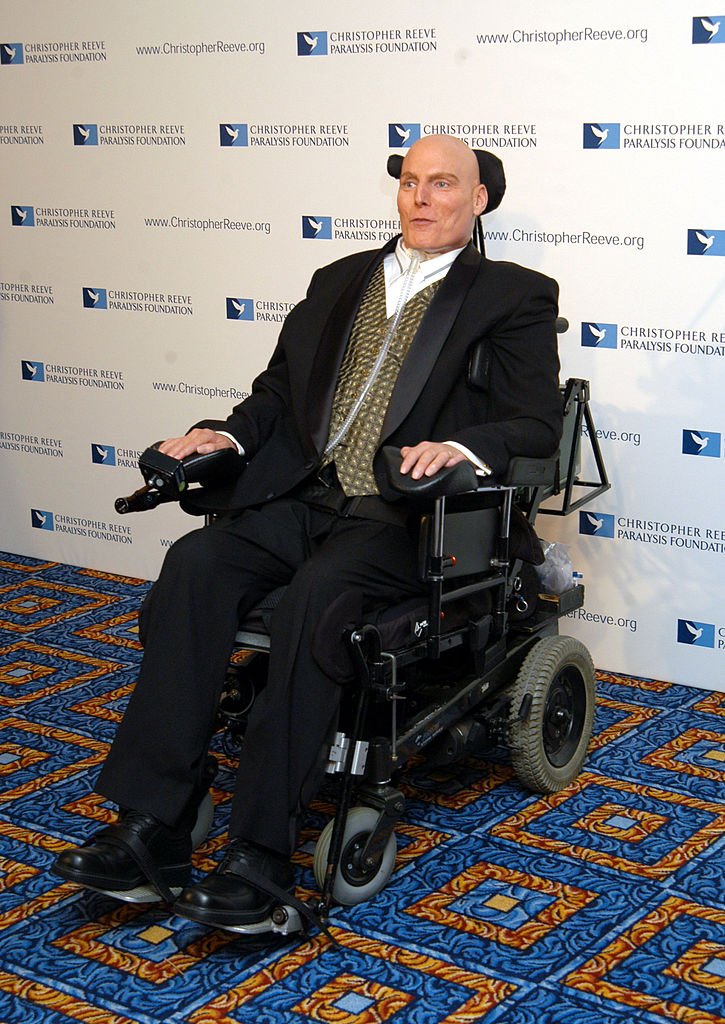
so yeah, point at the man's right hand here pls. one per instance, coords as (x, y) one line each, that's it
(200, 439)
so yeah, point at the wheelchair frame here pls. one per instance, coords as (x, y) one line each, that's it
(356, 851)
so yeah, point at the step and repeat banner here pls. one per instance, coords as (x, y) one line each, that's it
(173, 173)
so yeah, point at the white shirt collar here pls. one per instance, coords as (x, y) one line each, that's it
(434, 267)
(429, 271)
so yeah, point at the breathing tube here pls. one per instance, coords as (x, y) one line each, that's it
(385, 347)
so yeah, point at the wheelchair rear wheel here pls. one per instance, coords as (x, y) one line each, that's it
(552, 714)
(354, 882)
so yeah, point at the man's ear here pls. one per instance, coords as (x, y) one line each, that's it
(480, 200)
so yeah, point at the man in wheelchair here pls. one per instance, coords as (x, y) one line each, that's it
(377, 354)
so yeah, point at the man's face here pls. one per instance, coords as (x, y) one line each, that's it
(439, 195)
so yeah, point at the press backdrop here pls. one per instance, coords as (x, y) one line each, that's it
(173, 173)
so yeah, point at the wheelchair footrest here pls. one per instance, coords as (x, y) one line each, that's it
(141, 894)
(283, 921)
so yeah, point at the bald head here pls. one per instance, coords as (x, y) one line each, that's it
(440, 194)
(446, 150)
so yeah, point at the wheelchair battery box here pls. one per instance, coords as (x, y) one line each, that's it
(470, 541)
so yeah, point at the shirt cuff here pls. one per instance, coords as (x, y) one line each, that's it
(482, 468)
(231, 438)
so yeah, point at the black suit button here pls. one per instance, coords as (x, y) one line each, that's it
(310, 464)
(271, 495)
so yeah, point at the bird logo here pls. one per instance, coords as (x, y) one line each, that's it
(101, 452)
(694, 631)
(240, 308)
(20, 213)
(10, 51)
(705, 240)
(403, 133)
(601, 134)
(311, 44)
(30, 368)
(700, 442)
(597, 524)
(233, 134)
(41, 520)
(695, 634)
(713, 27)
(598, 334)
(85, 134)
(316, 227)
(594, 522)
(95, 298)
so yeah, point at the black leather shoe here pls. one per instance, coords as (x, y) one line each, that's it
(138, 859)
(227, 898)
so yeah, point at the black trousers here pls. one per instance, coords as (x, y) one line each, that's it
(209, 579)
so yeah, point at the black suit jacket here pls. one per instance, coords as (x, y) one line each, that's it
(515, 410)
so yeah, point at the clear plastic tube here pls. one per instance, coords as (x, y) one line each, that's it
(357, 404)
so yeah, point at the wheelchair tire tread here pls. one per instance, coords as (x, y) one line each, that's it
(558, 669)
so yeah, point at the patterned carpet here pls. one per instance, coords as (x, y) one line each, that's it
(604, 903)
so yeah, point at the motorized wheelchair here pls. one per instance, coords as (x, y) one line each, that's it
(475, 664)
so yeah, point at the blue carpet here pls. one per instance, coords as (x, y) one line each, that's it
(603, 903)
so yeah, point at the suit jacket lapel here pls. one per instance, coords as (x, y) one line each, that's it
(326, 364)
(430, 337)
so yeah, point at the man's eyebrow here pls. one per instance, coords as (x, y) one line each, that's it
(434, 174)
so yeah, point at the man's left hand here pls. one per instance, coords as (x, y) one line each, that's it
(428, 457)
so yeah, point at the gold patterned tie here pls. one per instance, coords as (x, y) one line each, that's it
(353, 455)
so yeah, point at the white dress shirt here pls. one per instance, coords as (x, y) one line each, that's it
(429, 270)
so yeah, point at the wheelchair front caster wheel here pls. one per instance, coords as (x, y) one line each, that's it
(552, 714)
(203, 822)
(354, 882)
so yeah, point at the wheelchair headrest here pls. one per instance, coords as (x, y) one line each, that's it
(490, 170)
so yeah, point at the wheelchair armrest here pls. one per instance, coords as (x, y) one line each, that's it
(171, 477)
(446, 482)
(523, 472)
